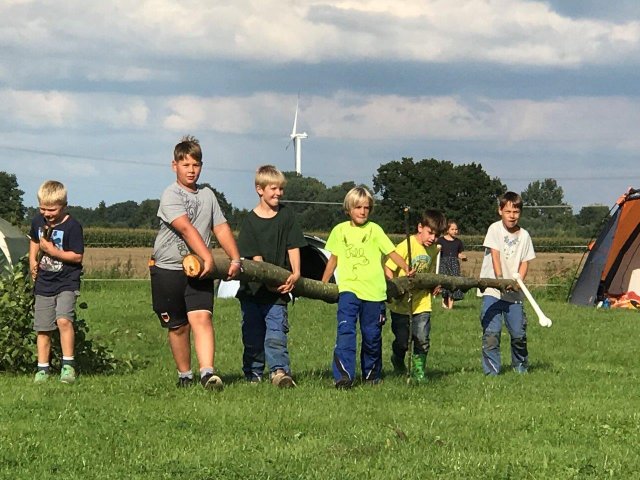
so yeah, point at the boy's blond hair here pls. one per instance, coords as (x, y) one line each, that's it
(269, 175)
(188, 146)
(52, 192)
(355, 196)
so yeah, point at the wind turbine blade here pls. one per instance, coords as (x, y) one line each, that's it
(295, 121)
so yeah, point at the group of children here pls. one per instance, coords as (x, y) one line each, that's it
(361, 255)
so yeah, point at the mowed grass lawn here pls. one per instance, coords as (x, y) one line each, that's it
(575, 415)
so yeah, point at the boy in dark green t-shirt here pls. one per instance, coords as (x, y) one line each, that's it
(269, 233)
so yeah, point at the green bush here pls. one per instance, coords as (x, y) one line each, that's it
(18, 340)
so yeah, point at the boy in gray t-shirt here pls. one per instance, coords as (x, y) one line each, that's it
(189, 214)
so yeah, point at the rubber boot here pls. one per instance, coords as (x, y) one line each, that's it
(399, 367)
(419, 363)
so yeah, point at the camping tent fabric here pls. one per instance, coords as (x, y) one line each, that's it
(614, 255)
(13, 244)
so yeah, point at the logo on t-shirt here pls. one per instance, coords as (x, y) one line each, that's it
(48, 264)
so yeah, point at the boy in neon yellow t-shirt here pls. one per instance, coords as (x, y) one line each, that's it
(424, 253)
(358, 247)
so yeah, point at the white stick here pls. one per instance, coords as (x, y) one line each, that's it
(543, 320)
(439, 247)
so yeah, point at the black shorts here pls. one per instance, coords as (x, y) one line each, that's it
(174, 295)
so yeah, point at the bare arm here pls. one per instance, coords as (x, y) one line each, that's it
(523, 269)
(33, 258)
(228, 243)
(66, 256)
(195, 242)
(330, 268)
(495, 260)
(398, 260)
(294, 260)
(388, 272)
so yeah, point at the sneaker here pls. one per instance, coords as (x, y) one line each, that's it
(68, 374)
(254, 379)
(184, 382)
(373, 382)
(41, 376)
(520, 369)
(211, 381)
(282, 379)
(344, 384)
(398, 364)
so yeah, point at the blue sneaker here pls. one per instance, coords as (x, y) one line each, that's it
(520, 369)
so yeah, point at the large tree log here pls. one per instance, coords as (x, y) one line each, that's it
(328, 292)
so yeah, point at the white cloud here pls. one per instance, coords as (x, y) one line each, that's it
(501, 31)
(55, 109)
(584, 122)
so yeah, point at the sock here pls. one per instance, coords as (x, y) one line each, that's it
(206, 371)
(187, 374)
(68, 361)
(43, 367)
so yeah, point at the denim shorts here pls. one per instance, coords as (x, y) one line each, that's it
(49, 309)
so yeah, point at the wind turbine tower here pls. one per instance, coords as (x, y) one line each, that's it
(297, 144)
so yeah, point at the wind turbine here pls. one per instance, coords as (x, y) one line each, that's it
(296, 139)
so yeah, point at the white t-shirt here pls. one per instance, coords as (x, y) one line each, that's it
(514, 249)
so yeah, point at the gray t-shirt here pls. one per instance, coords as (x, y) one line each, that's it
(204, 213)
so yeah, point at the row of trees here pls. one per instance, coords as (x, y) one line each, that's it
(465, 193)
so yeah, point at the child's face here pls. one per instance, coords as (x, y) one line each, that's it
(360, 213)
(510, 216)
(187, 171)
(426, 236)
(453, 230)
(270, 194)
(53, 214)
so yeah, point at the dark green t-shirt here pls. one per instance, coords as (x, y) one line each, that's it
(270, 238)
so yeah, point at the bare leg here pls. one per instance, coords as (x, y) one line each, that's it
(203, 337)
(179, 341)
(450, 303)
(43, 343)
(67, 336)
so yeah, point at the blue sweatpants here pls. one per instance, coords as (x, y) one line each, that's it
(371, 316)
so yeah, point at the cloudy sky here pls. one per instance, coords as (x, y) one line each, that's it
(96, 94)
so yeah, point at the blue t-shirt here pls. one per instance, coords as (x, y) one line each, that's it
(55, 276)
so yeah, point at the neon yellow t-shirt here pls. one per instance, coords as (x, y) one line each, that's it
(423, 259)
(360, 250)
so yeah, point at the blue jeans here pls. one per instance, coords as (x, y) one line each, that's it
(371, 315)
(421, 327)
(264, 336)
(493, 311)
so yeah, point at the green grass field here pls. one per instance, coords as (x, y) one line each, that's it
(575, 415)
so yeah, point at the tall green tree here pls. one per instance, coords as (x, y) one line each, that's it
(465, 193)
(317, 207)
(545, 210)
(11, 206)
(590, 220)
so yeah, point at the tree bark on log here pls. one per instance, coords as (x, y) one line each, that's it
(328, 292)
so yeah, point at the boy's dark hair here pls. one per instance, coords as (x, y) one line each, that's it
(435, 220)
(188, 146)
(513, 198)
